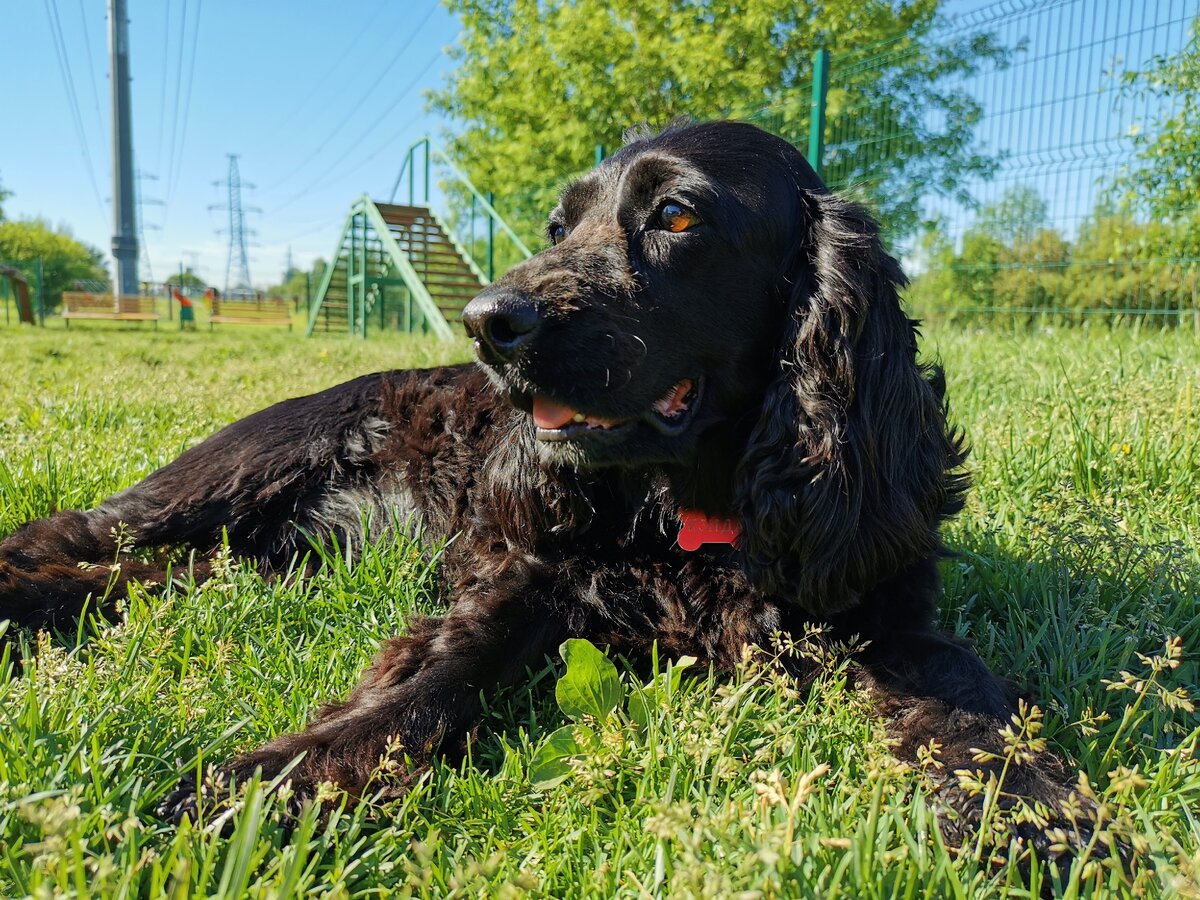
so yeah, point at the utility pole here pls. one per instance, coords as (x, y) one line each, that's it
(139, 177)
(124, 242)
(237, 263)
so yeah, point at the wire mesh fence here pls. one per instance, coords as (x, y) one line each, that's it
(1013, 189)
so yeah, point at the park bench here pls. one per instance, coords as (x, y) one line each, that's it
(83, 305)
(267, 311)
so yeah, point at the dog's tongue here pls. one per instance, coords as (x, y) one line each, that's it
(550, 415)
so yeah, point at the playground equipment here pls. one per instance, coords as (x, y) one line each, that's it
(20, 289)
(404, 266)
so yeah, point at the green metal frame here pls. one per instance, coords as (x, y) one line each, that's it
(363, 224)
(478, 199)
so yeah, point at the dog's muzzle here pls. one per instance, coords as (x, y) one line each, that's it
(502, 323)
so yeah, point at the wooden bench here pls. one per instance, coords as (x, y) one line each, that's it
(268, 311)
(82, 305)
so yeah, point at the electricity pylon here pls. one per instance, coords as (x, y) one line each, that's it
(237, 264)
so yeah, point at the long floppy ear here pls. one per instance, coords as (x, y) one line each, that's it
(851, 465)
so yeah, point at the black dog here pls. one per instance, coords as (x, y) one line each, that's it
(711, 335)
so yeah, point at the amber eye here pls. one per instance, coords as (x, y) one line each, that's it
(558, 231)
(675, 217)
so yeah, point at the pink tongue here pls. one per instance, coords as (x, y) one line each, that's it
(550, 415)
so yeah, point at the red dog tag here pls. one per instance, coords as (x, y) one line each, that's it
(695, 529)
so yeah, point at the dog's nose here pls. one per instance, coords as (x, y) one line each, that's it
(502, 321)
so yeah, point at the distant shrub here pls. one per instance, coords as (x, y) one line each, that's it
(1116, 264)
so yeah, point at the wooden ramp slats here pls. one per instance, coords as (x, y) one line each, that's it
(443, 270)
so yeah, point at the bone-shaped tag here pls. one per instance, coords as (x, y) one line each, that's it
(695, 529)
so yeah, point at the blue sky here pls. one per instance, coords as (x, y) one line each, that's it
(319, 99)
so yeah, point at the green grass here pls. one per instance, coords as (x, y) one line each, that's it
(1078, 550)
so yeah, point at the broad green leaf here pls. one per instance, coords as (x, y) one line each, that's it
(551, 764)
(590, 686)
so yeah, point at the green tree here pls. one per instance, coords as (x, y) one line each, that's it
(1167, 178)
(540, 82)
(189, 280)
(1015, 218)
(1009, 258)
(295, 281)
(4, 195)
(64, 259)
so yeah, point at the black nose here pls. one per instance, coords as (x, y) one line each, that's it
(502, 321)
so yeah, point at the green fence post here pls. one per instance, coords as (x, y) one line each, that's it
(362, 268)
(41, 300)
(816, 119)
(1195, 304)
(491, 259)
(426, 171)
(411, 162)
(351, 261)
(599, 154)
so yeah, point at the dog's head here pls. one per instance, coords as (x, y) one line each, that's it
(648, 319)
(703, 287)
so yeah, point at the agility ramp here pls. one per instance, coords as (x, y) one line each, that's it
(401, 266)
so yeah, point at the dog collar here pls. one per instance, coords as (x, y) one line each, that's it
(695, 529)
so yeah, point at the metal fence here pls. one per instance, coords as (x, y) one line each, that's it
(1031, 216)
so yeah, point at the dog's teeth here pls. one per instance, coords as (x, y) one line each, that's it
(578, 418)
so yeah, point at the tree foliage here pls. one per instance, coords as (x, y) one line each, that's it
(540, 83)
(296, 282)
(1011, 260)
(1167, 178)
(189, 281)
(64, 259)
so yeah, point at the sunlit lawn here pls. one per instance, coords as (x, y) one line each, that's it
(1078, 551)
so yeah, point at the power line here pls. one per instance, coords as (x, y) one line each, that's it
(175, 107)
(187, 99)
(91, 66)
(354, 145)
(305, 101)
(64, 70)
(162, 84)
(323, 223)
(361, 100)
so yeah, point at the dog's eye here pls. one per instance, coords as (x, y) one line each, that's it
(676, 217)
(557, 231)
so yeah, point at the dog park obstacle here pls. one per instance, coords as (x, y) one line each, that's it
(403, 266)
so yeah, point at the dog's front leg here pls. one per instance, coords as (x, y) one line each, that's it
(947, 712)
(422, 690)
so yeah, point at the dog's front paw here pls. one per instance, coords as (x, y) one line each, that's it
(184, 802)
(217, 793)
(1048, 826)
(323, 766)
